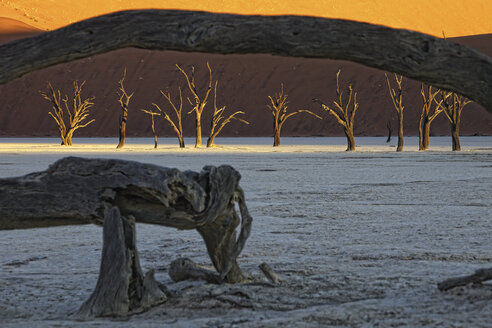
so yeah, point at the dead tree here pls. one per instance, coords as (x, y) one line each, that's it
(278, 108)
(344, 114)
(76, 115)
(452, 105)
(390, 131)
(178, 126)
(154, 133)
(397, 99)
(124, 100)
(428, 114)
(199, 102)
(218, 118)
(118, 194)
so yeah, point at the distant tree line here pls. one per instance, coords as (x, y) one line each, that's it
(72, 114)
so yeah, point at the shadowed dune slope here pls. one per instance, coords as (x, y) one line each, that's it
(11, 29)
(245, 82)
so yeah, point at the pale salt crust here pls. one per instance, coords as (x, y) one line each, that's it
(360, 239)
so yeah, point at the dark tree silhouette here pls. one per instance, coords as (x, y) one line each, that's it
(218, 122)
(428, 114)
(390, 131)
(178, 126)
(278, 107)
(76, 115)
(452, 105)
(344, 114)
(124, 100)
(199, 102)
(397, 99)
(152, 114)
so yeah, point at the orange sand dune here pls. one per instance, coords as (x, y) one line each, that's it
(454, 17)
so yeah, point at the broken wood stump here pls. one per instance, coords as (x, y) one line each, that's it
(118, 194)
(121, 287)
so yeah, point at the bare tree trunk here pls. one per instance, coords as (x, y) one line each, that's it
(390, 130)
(181, 142)
(349, 133)
(68, 137)
(123, 128)
(400, 131)
(426, 135)
(198, 121)
(210, 141)
(421, 133)
(455, 134)
(276, 137)
(154, 133)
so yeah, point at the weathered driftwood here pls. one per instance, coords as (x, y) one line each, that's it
(270, 274)
(185, 269)
(121, 288)
(80, 191)
(479, 276)
(422, 57)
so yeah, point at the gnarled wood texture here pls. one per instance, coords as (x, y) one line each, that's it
(78, 190)
(121, 287)
(422, 57)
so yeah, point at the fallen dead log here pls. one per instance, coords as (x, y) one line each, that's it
(117, 194)
(415, 55)
(479, 276)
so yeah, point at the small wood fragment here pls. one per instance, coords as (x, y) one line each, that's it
(270, 274)
(185, 269)
(479, 276)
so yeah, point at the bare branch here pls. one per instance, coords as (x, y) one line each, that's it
(76, 115)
